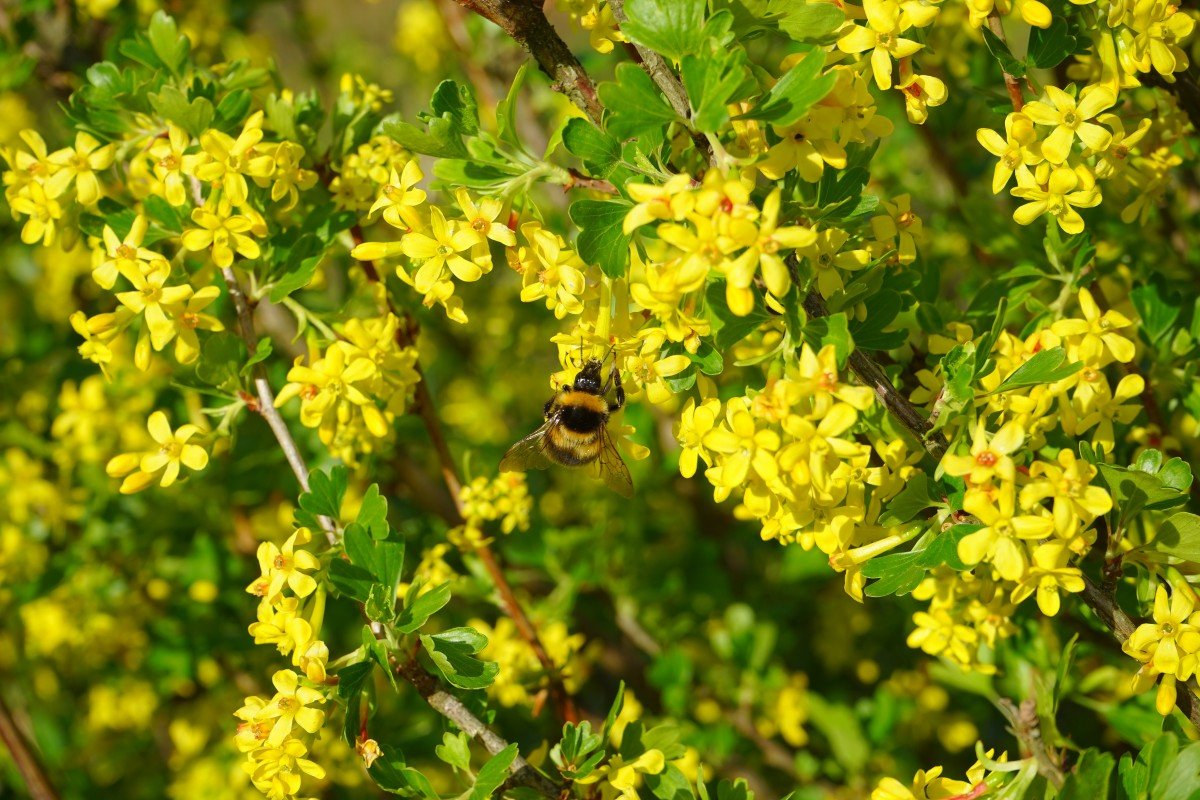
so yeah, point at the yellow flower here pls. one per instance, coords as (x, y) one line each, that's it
(695, 423)
(274, 622)
(481, 219)
(278, 771)
(286, 565)
(921, 92)
(926, 785)
(188, 319)
(290, 706)
(881, 37)
(1066, 189)
(999, 541)
(126, 256)
(155, 301)
(1049, 574)
(330, 383)
(168, 154)
(1160, 29)
(174, 451)
(1099, 331)
(399, 197)
(1017, 151)
(1070, 119)
(44, 212)
(440, 251)
(763, 253)
(79, 164)
(671, 201)
(222, 231)
(1168, 646)
(225, 161)
(827, 257)
(1067, 483)
(625, 776)
(988, 459)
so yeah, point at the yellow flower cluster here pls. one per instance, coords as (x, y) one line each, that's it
(595, 17)
(931, 784)
(276, 734)
(710, 227)
(883, 35)
(791, 454)
(1168, 647)
(174, 451)
(521, 674)
(438, 249)
(353, 392)
(1036, 512)
(355, 187)
(504, 498)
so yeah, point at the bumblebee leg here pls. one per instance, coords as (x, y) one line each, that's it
(615, 377)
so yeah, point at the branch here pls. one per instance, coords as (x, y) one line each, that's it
(665, 78)
(427, 410)
(526, 23)
(1010, 81)
(450, 707)
(24, 758)
(871, 374)
(442, 702)
(266, 398)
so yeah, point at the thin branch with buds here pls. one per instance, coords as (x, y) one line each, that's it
(23, 757)
(442, 702)
(427, 410)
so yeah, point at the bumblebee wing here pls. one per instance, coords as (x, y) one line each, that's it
(529, 453)
(613, 471)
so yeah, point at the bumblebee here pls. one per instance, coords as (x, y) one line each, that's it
(575, 432)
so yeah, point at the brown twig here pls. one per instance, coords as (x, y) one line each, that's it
(22, 755)
(445, 704)
(667, 81)
(871, 374)
(266, 398)
(1025, 726)
(526, 23)
(427, 410)
(450, 707)
(1010, 81)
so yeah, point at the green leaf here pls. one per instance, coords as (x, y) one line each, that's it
(1046, 366)
(602, 240)
(194, 116)
(303, 257)
(506, 110)
(220, 359)
(1008, 62)
(1134, 490)
(713, 82)
(372, 513)
(1179, 536)
(1138, 776)
(882, 309)
(455, 101)
(453, 653)
(1049, 46)
(634, 103)
(673, 28)
(325, 492)
(262, 351)
(1158, 312)
(381, 603)
(796, 92)
(599, 152)
(351, 580)
(841, 728)
(493, 773)
(1180, 776)
(169, 45)
(613, 711)
(351, 681)
(811, 23)
(1089, 778)
(900, 573)
(833, 329)
(441, 138)
(728, 328)
(455, 750)
(914, 498)
(418, 610)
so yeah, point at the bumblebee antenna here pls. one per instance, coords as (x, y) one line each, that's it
(612, 348)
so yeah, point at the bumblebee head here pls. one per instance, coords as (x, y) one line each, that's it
(589, 379)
